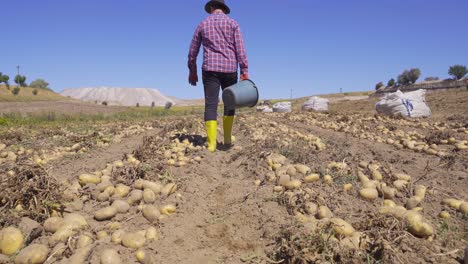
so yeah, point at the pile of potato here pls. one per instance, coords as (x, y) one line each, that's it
(176, 153)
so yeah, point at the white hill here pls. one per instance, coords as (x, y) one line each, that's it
(120, 96)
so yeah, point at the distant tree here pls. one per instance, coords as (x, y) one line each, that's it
(16, 90)
(414, 75)
(458, 71)
(35, 91)
(20, 80)
(137, 104)
(168, 105)
(5, 79)
(153, 104)
(430, 79)
(379, 85)
(39, 84)
(104, 103)
(391, 82)
(409, 76)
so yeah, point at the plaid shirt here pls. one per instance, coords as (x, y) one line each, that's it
(223, 45)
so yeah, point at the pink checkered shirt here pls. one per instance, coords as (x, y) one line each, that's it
(223, 45)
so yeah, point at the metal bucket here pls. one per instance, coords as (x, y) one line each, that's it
(241, 94)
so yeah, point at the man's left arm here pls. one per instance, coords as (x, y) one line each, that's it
(193, 54)
(241, 54)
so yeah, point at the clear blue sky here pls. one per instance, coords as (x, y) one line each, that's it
(311, 46)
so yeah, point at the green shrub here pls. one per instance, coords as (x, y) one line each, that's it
(20, 80)
(458, 71)
(379, 85)
(35, 91)
(39, 84)
(391, 82)
(15, 90)
(430, 79)
(409, 76)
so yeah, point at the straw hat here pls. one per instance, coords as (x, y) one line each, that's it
(219, 3)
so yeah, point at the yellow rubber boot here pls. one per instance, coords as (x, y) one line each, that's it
(228, 121)
(211, 131)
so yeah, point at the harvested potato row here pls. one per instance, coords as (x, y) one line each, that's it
(415, 223)
(459, 205)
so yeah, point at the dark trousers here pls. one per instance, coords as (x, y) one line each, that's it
(212, 81)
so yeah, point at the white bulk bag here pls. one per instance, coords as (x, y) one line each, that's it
(411, 104)
(316, 104)
(282, 107)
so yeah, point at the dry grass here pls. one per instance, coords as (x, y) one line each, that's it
(26, 95)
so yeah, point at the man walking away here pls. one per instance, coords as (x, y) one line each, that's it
(223, 52)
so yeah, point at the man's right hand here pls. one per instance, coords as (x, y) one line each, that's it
(193, 79)
(244, 77)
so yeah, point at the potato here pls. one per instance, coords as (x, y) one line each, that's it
(301, 218)
(400, 184)
(133, 240)
(63, 233)
(464, 207)
(294, 184)
(33, 254)
(83, 241)
(453, 203)
(302, 169)
(113, 226)
(101, 235)
(145, 258)
(389, 203)
(284, 180)
(11, 240)
(376, 175)
(105, 213)
(110, 256)
(402, 176)
(417, 226)
(139, 184)
(52, 224)
(76, 220)
(257, 182)
(347, 187)
(362, 177)
(103, 185)
(169, 189)
(151, 234)
(398, 212)
(156, 187)
(102, 197)
(368, 193)
(168, 209)
(121, 206)
(341, 227)
(323, 212)
(413, 202)
(353, 241)
(291, 171)
(312, 178)
(121, 190)
(388, 192)
(89, 178)
(444, 215)
(328, 179)
(135, 197)
(117, 236)
(420, 191)
(151, 213)
(81, 255)
(370, 184)
(149, 196)
(278, 188)
(311, 208)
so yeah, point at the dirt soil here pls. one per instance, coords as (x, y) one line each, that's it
(231, 206)
(62, 107)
